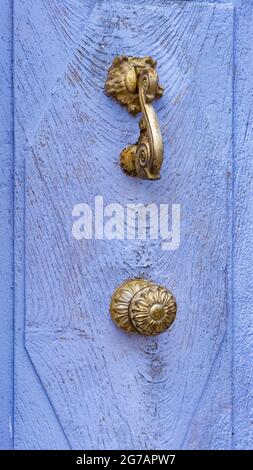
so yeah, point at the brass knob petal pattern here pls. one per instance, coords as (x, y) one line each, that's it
(140, 306)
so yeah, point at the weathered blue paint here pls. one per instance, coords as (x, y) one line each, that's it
(49, 34)
(134, 392)
(41, 37)
(242, 230)
(6, 228)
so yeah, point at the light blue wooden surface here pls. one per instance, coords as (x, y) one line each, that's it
(108, 389)
(6, 228)
(242, 230)
(43, 53)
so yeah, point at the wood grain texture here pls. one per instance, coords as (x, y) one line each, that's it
(44, 45)
(6, 230)
(107, 389)
(40, 57)
(31, 403)
(243, 225)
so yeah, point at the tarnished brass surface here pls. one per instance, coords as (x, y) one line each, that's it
(140, 306)
(134, 82)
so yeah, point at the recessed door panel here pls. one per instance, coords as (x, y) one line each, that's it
(110, 389)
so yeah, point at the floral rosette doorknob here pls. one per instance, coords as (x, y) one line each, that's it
(143, 307)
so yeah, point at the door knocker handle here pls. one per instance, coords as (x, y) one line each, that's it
(140, 306)
(134, 82)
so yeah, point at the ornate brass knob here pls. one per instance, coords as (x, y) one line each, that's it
(140, 306)
(134, 82)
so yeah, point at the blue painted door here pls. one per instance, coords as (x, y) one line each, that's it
(79, 381)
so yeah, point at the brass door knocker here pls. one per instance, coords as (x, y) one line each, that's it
(134, 82)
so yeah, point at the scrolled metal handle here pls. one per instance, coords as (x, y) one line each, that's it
(134, 82)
